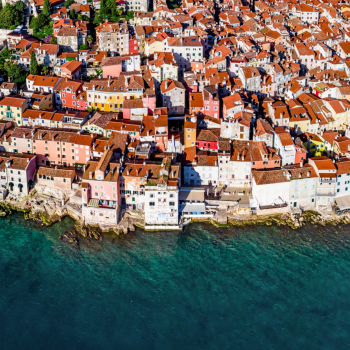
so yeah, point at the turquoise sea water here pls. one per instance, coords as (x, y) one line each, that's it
(203, 288)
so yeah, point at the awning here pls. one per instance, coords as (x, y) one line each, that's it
(93, 203)
(343, 202)
(193, 208)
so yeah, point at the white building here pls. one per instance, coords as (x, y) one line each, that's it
(303, 184)
(137, 5)
(342, 187)
(203, 170)
(185, 50)
(161, 205)
(285, 146)
(327, 173)
(270, 191)
(250, 78)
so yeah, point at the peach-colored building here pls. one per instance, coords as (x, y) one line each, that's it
(53, 146)
(52, 177)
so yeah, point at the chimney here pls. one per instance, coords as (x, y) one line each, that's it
(301, 164)
(92, 136)
(90, 175)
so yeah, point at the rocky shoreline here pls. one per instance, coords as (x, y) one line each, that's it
(80, 231)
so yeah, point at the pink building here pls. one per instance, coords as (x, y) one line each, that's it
(100, 191)
(149, 101)
(211, 101)
(54, 146)
(112, 67)
(208, 139)
(301, 151)
(268, 87)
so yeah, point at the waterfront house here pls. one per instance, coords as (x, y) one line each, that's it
(327, 173)
(342, 187)
(17, 172)
(55, 178)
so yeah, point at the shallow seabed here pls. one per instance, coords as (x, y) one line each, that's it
(257, 287)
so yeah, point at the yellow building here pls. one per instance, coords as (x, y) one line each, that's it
(108, 95)
(190, 131)
(98, 123)
(340, 110)
(314, 144)
(163, 67)
(12, 108)
(42, 101)
(299, 119)
(153, 45)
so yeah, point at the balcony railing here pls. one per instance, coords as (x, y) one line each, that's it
(325, 194)
(327, 181)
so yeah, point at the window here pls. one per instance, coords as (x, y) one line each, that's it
(172, 204)
(151, 204)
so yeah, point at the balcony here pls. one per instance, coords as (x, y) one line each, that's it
(97, 203)
(322, 181)
(325, 194)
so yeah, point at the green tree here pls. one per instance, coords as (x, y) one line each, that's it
(111, 5)
(129, 15)
(83, 47)
(34, 67)
(71, 14)
(15, 72)
(80, 17)
(46, 8)
(97, 20)
(33, 23)
(5, 53)
(45, 70)
(89, 39)
(53, 40)
(68, 3)
(103, 8)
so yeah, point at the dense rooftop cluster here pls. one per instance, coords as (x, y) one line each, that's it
(182, 109)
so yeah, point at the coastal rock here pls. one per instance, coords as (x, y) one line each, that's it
(70, 237)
